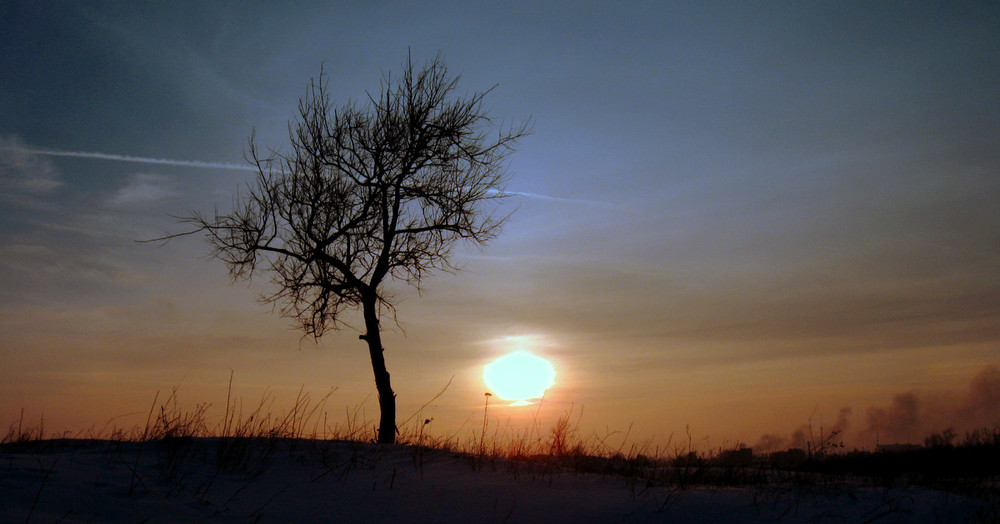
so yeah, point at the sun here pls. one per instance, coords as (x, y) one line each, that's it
(519, 376)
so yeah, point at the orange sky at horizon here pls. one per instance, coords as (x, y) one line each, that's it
(739, 221)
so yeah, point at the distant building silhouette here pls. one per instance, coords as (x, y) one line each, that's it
(787, 459)
(896, 448)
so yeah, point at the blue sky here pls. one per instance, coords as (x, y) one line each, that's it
(726, 206)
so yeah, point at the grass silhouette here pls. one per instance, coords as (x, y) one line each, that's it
(186, 452)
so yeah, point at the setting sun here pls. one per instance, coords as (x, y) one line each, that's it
(519, 376)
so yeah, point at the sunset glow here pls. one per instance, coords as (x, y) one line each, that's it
(519, 376)
(738, 222)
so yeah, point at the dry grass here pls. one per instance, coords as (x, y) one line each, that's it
(248, 435)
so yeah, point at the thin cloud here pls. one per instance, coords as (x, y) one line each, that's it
(130, 158)
(23, 172)
(143, 188)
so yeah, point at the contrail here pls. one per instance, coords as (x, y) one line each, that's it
(227, 165)
(549, 198)
(556, 199)
(135, 159)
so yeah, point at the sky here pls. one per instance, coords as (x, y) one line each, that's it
(734, 222)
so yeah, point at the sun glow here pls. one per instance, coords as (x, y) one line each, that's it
(519, 376)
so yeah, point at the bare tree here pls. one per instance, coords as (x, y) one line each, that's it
(368, 193)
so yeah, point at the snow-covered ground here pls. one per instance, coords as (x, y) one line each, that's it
(206, 480)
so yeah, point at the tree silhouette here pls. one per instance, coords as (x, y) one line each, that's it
(368, 193)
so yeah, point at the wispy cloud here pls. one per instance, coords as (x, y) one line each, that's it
(22, 171)
(143, 188)
(125, 158)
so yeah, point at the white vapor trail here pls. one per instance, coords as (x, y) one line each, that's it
(556, 199)
(225, 165)
(136, 159)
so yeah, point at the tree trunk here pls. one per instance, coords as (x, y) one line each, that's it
(386, 398)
